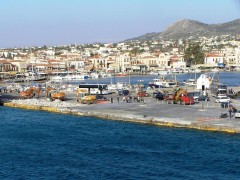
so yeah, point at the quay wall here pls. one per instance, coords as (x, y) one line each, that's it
(107, 114)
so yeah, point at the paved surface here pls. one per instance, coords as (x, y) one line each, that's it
(203, 115)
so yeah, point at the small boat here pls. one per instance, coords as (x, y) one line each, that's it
(190, 82)
(32, 76)
(80, 76)
(154, 73)
(121, 74)
(215, 70)
(161, 82)
(163, 72)
(56, 78)
(35, 78)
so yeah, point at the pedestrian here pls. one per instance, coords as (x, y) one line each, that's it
(111, 99)
(138, 98)
(230, 112)
(118, 98)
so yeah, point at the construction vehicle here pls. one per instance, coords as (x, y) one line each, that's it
(85, 98)
(181, 96)
(54, 94)
(57, 95)
(31, 92)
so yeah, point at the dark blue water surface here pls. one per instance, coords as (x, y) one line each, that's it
(41, 145)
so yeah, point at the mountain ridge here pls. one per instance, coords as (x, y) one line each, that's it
(187, 28)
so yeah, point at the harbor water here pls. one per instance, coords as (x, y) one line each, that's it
(225, 77)
(41, 145)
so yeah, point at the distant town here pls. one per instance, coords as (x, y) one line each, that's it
(133, 56)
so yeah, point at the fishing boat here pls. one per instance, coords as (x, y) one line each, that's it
(162, 82)
(121, 74)
(56, 78)
(31, 76)
(190, 82)
(154, 73)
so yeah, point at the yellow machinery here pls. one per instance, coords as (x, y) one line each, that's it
(29, 93)
(58, 95)
(179, 93)
(85, 98)
(54, 94)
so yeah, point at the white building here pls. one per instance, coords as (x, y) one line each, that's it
(214, 60)
(203, 82)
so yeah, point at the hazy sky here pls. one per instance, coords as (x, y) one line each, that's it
(58, 22)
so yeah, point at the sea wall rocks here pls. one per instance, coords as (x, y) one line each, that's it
(46, 103)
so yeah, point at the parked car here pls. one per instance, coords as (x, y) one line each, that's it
(222, 99)
(195, 95)
(154, 94)
(202, 98)
(159, 96)
(237, 114)
(168, 96)
(142, 94)
(221, 96)
(225, 104)
(124, 92)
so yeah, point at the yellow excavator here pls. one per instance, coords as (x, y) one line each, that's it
(182, 96)
(31, 92)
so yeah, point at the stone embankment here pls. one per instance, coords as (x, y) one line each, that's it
(150, 112)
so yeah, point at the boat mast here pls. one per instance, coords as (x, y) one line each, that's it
(129, 79)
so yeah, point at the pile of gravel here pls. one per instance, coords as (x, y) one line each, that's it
(42, 102)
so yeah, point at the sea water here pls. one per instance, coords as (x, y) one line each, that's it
(225, 77)
(41, 145)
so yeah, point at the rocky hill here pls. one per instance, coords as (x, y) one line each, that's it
(189, 28)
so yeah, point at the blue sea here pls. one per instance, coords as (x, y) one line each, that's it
(228, 78)
(41, 145)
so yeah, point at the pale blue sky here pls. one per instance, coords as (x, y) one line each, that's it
(58, 22)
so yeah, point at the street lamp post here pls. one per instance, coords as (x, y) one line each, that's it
(140, 83)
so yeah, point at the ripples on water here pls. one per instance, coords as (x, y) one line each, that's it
(52, 146)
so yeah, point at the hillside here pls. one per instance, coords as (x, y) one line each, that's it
(189, 28)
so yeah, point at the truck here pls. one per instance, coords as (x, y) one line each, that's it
(84, 97)
(54, 94)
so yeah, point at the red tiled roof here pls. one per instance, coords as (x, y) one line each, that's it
(175, 56)
(53, 60)
(4, 62)
(214, 55)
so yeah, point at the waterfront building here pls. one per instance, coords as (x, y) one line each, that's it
(151, 61)
(21, 66)
(177, 62)
(214, 60)
(6, 66)
(163, 60)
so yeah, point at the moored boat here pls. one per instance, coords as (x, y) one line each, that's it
(161, 82)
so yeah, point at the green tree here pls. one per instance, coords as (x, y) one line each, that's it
(135, 51)
(194, 54)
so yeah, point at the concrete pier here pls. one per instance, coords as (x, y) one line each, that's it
(202, 115)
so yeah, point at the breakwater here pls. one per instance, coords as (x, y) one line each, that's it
(156, 113)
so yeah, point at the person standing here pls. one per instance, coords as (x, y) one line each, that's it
(230, 112)
(111, 99)
(118, 98)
